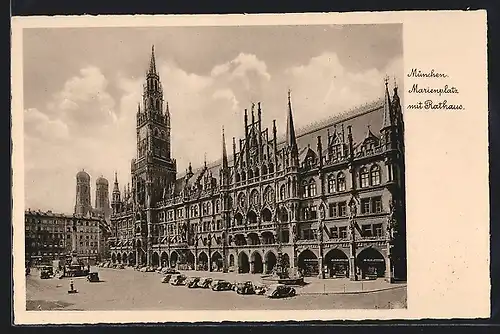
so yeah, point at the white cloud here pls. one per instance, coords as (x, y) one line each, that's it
(85, 126)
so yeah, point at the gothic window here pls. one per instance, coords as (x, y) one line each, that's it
(241, 200)
(271, 168)
(305, 189)
(243, 176)
(264, 170)
(250, 174)
(237, 177)
(331, 183)
(254, 197)
(375, 175)
(364, 177)
(217, 206)
(340, 182)
(312, 188)
(282, 192)
(269, 195)
(256, 172)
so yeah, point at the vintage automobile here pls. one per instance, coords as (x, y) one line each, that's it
(178, 280)
(46, 272)
(205, 282)
(245, 288)
(168, 270)
(76, 270)
(280, 291)
(259, 288)
(192, 282)
(93, 277)
(120, 266)
(221, 285)
(166, 278)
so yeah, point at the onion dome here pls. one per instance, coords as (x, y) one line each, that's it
(83, 176)
(102, 181)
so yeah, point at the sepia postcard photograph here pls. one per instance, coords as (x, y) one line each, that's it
(247, 166)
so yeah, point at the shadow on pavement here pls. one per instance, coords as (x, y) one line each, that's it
(46, 305)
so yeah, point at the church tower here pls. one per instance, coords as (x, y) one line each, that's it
(102, 197)
(83, 205)
(154, 165)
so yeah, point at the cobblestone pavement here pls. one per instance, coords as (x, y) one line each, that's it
(127, 289)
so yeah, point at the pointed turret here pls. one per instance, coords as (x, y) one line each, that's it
(290, 129)
(387, 120)
(115, 197)
(152, 62)
(225, 163)
(116, 188)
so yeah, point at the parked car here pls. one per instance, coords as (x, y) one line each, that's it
(172, 271)
(178, 280)
(259, 288)
(205, 282)
(166, 278)
(280, 291)
(121, 266)
(245, 288)
(93, 277)
(46, 272)
(192, 282)
(221, 285)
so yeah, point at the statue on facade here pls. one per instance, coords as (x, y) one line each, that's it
(353, 209)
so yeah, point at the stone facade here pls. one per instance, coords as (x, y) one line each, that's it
(329, 199)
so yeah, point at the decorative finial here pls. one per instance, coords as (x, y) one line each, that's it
(386, 80)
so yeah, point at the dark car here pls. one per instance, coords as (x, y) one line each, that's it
(280, 291)
(245, 288)
(192, 282)
(46, 272)
(93, 277)
(260, 289)
(221, 285)
(205, 282)
(178, 280)
(166, 278)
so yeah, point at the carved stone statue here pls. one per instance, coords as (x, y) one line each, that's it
(353, 209)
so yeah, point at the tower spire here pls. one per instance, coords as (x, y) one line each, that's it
(116, 188)
(152, 62)
(224, 152)
(290, 129)
(387, 120)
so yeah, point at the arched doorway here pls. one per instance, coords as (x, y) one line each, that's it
(164, 259)
(217, 262)
(258, 267)
(371, 263)
(243, 263)
(174, 257)
(190, 260)
(270, 262)
(155, 259)
(119, 258)
(337, 264)
(124, 258)
(131, 259)
(308, 263)
(113, 258)
(231, 260)
(202, 261)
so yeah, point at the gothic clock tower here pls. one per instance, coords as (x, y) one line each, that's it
(153, 169)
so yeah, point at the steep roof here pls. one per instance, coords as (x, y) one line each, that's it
(370, 114)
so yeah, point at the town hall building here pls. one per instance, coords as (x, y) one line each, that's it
(327, 201)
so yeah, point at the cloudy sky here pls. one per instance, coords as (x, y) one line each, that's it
(82, 87)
